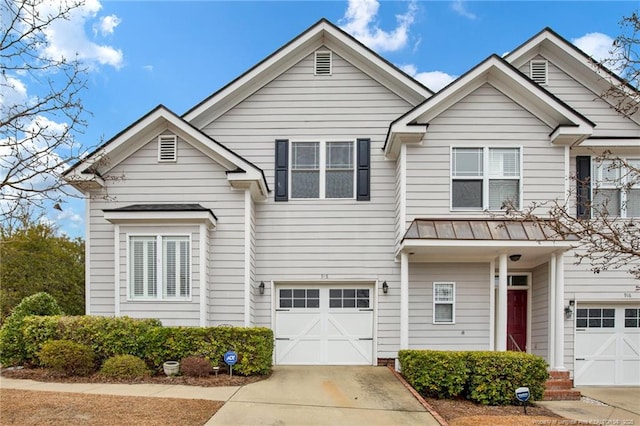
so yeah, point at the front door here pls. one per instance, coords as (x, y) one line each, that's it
(517, 320)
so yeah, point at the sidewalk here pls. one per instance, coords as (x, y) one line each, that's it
(220, 393)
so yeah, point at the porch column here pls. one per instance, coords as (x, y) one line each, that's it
(501, 323)
(552, 310)
(559, 314)
(404, 301)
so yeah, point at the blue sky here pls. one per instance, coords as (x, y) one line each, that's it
(143, 53)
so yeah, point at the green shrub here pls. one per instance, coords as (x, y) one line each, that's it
(67, 358)
(12, 343)
(195, 366)
(495, 376)
(124, 367)
(147, 339)
(437, 374)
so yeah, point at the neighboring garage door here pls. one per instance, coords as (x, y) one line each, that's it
(317, 325)
(607, 347)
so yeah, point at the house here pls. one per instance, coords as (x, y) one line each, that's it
(329, 196)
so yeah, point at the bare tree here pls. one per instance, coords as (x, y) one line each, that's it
(605, 220)
(624, 61)
(37, 132)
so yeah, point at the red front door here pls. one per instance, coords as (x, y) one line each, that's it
(517, 320)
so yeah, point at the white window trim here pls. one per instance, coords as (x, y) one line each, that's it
(623, 181)
(438, 302)
(323, 168)
(168, 138)
(159, 259)
(485, 177)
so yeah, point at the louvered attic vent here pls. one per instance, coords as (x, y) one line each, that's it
(323, 63)
(538, 72)
(167, 147)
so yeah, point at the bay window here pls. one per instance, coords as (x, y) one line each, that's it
(485, 178)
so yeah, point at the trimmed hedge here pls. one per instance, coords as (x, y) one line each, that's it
(67, 357)
(150, 341)
(12, 343)
(488, 378)
(124, 367)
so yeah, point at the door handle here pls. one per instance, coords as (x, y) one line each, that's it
(282, 338)
(365, 338)
(581, 359)
(366, 310)
(283, 310)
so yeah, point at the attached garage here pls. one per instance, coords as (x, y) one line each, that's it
(607, 345)
(324, 324)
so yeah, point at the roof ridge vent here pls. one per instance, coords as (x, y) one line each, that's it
(323, 62)
(538, 70)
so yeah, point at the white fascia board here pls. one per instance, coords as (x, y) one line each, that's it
(249, 180)
(85, 182)
(200, 216)
(408, 245)
(402, 133)
(612, 143)
(570, 135)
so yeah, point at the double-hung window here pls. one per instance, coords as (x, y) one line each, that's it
(616, 191)
(485, 178)
(323, 169)
(444, 303)
(159, 267)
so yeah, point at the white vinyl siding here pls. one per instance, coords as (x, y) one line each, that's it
(485, 178)
(444, 306)
(339, 238)
(540, 300)
(471, 328)
(322, 169)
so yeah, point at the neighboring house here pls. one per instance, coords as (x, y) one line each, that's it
(329, 196)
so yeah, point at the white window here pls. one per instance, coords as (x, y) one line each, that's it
(322, 169)
(616, 190)
(444, 303)
(485, 178)
(159, 267)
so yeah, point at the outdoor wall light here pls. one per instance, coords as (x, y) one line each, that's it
(261, 287)
(568, 311)
(385, 287)
(515, 257)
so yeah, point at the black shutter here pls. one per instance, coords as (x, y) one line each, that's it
(583, 186)
(364, 170)
(282, 170)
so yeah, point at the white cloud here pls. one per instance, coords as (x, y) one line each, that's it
(148, 68)
(459, 7)
(360, 22)
(68, 38)
(596, 45)
(434, 80)
(14, 92)
(107, 25)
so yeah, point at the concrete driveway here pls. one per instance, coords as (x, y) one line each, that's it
(321, 395)
(603, 404)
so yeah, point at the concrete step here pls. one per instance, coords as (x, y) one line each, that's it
(561, 395)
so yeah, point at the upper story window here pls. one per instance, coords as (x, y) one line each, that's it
(322, 170)
(485, 178)
(159, 267)
(616, 189)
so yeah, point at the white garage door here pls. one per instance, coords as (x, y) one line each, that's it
(607, 347)
(317, 325)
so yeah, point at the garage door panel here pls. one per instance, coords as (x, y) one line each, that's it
(607, 346)
(324, 325)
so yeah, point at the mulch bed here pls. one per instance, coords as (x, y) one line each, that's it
(44, 375)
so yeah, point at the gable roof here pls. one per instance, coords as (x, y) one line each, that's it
(569, 126)
(321, 34)
(88, 172)
(568, 57)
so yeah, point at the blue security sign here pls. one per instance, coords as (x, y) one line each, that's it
(230, 357)
(523, 394)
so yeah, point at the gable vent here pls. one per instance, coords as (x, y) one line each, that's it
(167, 147)
(538, 72)
(323, 63)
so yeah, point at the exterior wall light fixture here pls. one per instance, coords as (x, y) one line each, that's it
(261, 287)
(385, 287)
(568, 311)
(515, 257)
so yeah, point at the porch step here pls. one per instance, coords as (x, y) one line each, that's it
(559, 387)
(561, 395)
